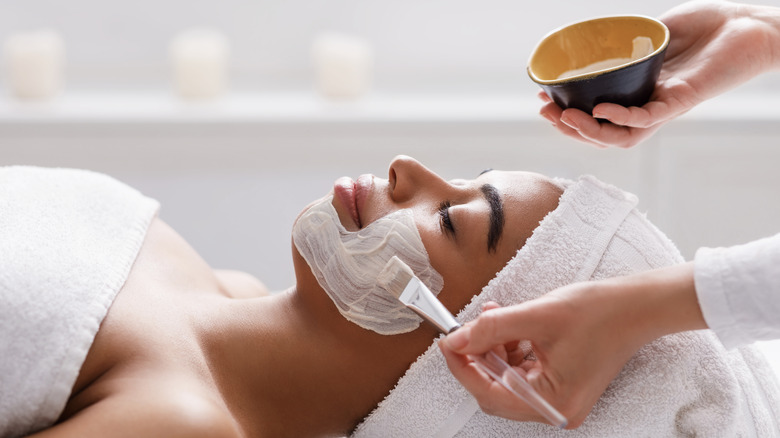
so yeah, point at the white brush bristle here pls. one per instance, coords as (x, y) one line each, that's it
(395, 276)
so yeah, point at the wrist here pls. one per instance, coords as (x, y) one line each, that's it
(767, 19)
(658, 302)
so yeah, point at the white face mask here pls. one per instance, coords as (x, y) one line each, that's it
(347, 264)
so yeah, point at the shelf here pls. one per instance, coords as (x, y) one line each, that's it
(146, 107)
(160, 108)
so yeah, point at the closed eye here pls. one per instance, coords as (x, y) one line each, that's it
(444, 218)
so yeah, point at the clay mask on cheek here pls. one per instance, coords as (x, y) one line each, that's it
(347, 264)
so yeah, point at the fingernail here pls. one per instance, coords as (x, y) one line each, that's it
(458, 339)
(570, 123)
(549, 118)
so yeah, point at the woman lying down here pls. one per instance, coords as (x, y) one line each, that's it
(113, 326)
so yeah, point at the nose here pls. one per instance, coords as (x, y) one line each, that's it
(409, 178)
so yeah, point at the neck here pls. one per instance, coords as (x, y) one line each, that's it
(291, 365)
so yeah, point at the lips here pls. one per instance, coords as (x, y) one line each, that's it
(352, 197)
(363, 188)
(346, 191)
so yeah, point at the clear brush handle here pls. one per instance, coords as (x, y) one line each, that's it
(504, 374)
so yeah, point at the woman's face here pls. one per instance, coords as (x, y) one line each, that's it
(470, 228)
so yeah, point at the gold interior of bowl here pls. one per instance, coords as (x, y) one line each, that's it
(581, 44)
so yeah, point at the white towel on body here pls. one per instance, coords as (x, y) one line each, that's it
(680, 385)
(68, 239)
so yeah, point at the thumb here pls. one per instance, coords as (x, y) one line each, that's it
(494, 327)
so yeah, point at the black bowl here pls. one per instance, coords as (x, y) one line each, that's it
(630, 83)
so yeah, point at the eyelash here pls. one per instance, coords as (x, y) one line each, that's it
(444, 216)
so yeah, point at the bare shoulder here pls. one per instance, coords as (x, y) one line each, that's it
(239, 284)
(133, 415)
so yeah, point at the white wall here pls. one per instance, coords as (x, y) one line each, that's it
(420, 44)
(451, 90)
(232, 185)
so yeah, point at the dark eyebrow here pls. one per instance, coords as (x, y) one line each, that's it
(496, 215)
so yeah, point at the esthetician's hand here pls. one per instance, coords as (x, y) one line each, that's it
(582, 335)
(714, 47)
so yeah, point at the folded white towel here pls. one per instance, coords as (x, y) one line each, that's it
(68, 239)
(680, 385)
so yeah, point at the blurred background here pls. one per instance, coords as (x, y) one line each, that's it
(235, 157)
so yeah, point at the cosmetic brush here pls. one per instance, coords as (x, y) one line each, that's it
(399, 279)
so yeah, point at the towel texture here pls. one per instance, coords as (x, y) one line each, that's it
(680, 385)
(68, 239)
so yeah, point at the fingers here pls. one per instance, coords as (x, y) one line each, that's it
(542, 95)
(512, 352)
(493, 398)
(552, 113)
(628, 125)
(586, 127)
(635, 117)
(570, 122)
(605, 134)
(493, 327)
(602, 134)
(474, 380)
(490, 305)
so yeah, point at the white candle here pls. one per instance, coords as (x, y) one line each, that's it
(200, 63)
(35, 62)
(343, 65)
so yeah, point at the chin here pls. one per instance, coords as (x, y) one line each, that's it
(305, 281)
(300, 266)
(308, 206)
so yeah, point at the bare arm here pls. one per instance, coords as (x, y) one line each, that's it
(239, 284)
(569, 328)
(143, 415)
